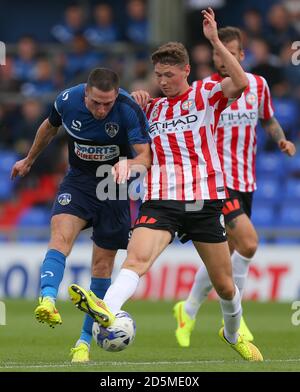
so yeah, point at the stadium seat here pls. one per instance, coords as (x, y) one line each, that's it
(6, 188)
(263, 214)
(292, 190)
(35, 216)
(7, 160)
(293, 164)
(288, 241)
(268, 188)
(289, 215)
(271, 164)
(286, 110)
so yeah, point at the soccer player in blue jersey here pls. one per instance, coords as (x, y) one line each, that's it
(103, 123)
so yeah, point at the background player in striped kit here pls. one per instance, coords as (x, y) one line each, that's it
(235, 136)
(185, 168)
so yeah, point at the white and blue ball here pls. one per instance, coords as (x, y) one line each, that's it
(117, 336)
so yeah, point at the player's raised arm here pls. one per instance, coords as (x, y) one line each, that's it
(43, 137)
(237, 82)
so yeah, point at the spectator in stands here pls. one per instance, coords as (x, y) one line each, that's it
(81, 59)
(293, 8)
(7, 79)
(146, 84)
(74, 24)
(253, 24)
(137, 32)
(43, 81)
(32, 112)
(280, 28)
(249, 60)
(291, 71)
(104, 30)
(30, 115)
(201, 62)
(137, 29)
(266, 64)
(7, 119)
(25, 61)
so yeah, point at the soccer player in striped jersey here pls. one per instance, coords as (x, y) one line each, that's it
(185, 187)
(236, 143)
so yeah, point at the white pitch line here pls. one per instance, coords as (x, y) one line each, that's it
(16, 365)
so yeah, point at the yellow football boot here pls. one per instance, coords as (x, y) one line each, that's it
(80, 354)
(46, 312)
(185, 325)
(89, 303)
(246, 349)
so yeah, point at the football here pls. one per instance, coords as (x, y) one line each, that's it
(117, 336)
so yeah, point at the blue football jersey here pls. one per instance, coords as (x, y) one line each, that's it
(93, 142)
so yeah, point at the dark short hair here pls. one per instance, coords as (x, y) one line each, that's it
(103, 79)
(172, 53)
(229, 33)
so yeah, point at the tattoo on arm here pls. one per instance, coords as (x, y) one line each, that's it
(273, 128)
(232, 223)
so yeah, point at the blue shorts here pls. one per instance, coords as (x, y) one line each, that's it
(110, 219)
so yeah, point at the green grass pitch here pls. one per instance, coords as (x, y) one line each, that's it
(29, 346)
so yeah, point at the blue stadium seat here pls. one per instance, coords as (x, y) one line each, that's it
(288, 241)
(289, 215)
(35, 216)
(271, 164)
(292, 190)
(263, 214)
(286, 110)
(6, 187)
(268, 188)
(7, 160)
(293, 164)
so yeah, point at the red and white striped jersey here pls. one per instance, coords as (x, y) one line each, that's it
(186, 165)
(236, 132)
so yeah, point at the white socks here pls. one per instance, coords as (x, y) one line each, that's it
(121, 290)
(202, 284)
(231, 309)
(199, 292)
(240, 268)
(232, 313)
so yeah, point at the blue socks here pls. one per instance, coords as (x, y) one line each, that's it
(52, 272)
(98, 286)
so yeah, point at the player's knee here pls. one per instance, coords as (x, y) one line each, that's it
(102, 266)
(102, 269)
(225, 289)
(140, 265)
(248, 248)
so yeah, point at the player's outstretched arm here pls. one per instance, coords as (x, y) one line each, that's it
(43, 137)
(274, 129)
(237, 82)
